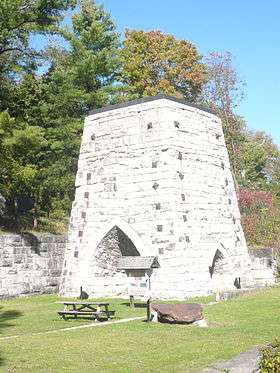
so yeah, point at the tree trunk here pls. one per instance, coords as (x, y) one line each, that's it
(12, 211)
(35, 215)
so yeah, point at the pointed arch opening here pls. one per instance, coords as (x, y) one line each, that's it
(218, 264)
(221, 272)
(115, 240)
(114, 244)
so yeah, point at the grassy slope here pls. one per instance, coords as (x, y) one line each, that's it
(135, 347)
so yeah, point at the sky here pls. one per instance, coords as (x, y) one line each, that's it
(249, 29)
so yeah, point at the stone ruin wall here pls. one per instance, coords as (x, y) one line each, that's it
(265, 265)
(30, 264)
(160, 172)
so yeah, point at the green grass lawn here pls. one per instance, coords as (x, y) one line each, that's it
(237, 325)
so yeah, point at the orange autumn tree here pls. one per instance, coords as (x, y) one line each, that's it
(154, 62)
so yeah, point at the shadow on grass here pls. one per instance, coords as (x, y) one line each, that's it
(88, 318)
(5, 322)
(136, 305)
(7, 316)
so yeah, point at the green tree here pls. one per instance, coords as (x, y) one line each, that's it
(80, 78)
(18, 20)
(154, 62)
(20, 145)
(91, 63)
(50, 109)
(257, 159)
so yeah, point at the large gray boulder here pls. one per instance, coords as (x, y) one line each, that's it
(178, 313)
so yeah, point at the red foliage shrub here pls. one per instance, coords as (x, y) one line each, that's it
(249, 223)
(253, 200)
(260, 216)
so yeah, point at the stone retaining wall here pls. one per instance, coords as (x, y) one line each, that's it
(264, 263)
(30, 264)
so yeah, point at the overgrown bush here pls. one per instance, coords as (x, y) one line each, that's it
(260, 216)
(270, 358)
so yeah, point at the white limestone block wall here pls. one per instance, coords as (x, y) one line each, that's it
(156, 171)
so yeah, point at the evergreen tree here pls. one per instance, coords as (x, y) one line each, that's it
(51, 108)
(19, 19)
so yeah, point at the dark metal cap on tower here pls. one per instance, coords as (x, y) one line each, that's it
(148, 99)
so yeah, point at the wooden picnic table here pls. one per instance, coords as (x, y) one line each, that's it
(96, 310)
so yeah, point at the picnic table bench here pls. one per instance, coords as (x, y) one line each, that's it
(96, 310)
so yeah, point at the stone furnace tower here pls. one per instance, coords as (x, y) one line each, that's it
(154, 179)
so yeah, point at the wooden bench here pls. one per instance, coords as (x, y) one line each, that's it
(91, 309)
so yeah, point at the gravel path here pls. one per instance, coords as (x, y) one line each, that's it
(246, 362)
